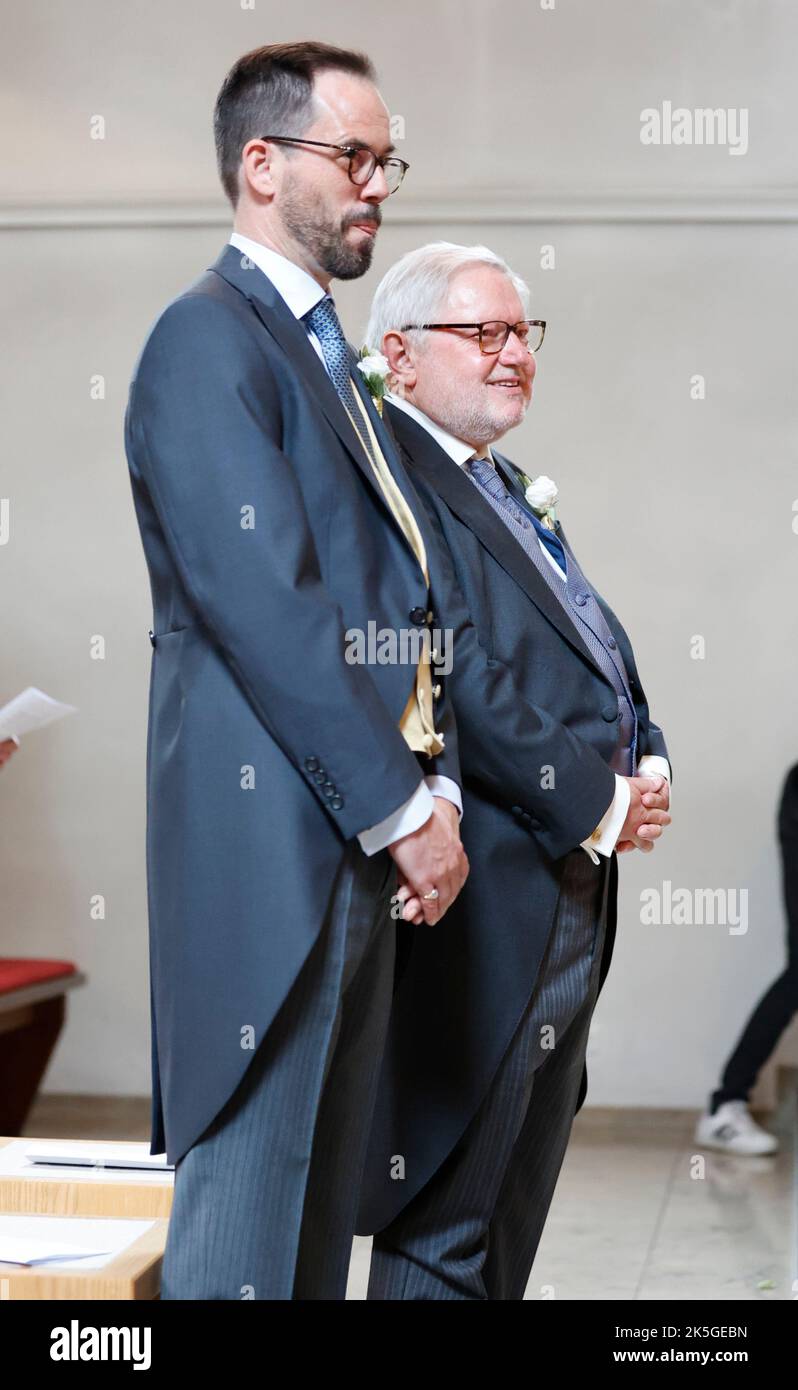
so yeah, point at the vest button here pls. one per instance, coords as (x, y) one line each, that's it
(611, 643)
(581, 599)
(610, 713)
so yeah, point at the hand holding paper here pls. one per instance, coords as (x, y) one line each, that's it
(29, 710)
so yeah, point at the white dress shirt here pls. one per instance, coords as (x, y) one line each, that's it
(605, 836)
(301, 293)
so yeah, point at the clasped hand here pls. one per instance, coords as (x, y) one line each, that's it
(647, 814)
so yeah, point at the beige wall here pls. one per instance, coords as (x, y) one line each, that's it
(522, 128)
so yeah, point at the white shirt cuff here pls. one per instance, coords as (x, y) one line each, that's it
(652, 765)
(403, 821)
(605, 836)
(445, 787)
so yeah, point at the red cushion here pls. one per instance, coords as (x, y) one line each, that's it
(16, 973)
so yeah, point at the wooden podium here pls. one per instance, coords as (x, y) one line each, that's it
(134, 1274)
(100, 1192)
(111, 1194)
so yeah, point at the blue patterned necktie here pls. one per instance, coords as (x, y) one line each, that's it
(324, 322)
(418, 721)
(486, 476)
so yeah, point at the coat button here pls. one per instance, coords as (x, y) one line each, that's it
(535, 824)
(328, 789)
(418, 615)
(320, 776)
(311, 764)
(151, 636)
(337, 802)
(610, 713)
(517, 810)
(611, 643)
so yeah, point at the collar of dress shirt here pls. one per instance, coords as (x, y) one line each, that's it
(457, 449)
(299, 290)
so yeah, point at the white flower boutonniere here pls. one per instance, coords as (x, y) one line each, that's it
(542, 496)
(375, 368)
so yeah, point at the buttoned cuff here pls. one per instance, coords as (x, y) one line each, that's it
(652, 765)
(403, 821)
(605, 836)
(446, 788)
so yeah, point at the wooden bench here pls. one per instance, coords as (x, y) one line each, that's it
(32, 1011)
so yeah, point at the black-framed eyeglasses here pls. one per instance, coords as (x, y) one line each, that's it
(362, 161)
(494, 334)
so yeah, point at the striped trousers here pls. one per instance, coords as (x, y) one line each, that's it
(265, 1202)
(473, 1230)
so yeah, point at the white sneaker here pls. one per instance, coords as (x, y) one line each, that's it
(734, 1130)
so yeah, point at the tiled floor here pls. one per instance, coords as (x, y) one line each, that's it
(634, 1215)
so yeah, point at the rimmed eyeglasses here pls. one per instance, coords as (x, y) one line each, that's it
(494, 334)
(362, 160)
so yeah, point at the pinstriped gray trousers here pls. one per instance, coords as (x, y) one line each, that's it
(265, 1202)
(473, 1230)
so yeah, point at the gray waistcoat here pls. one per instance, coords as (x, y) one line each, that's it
(579, 600)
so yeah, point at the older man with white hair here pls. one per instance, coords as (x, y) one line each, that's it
(485, 1065)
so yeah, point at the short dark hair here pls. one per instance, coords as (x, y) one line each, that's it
(270, 90)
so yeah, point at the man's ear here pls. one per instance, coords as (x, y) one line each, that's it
(400, 361)
(257, 158)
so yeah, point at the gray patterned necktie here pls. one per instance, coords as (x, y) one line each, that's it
(487, 477)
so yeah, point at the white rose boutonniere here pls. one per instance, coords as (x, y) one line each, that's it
(542, 496)
(375, 368)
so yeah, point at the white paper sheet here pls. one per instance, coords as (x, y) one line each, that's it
(65, 1242)
(29, 710)
(151, 1170)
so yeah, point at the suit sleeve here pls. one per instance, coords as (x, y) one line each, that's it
(553, 782)
(202, 427)
(651, 740)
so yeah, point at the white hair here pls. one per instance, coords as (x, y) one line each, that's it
(413, 290)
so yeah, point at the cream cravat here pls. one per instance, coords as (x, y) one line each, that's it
(417, 721)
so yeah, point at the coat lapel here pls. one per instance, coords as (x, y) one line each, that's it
(392, 453)
(508, 475)
(278, 320)
(447, 479)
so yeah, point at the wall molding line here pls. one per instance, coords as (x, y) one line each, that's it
(499, 206)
